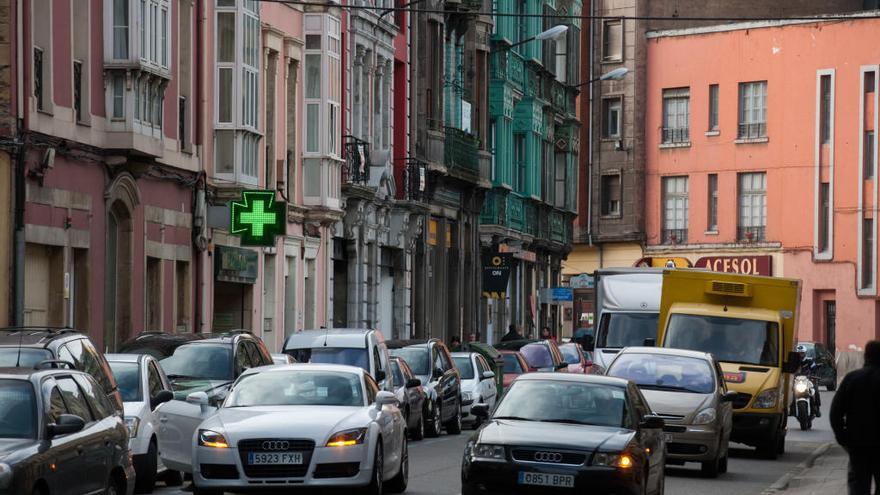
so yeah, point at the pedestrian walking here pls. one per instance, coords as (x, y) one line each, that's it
(512, 334)
(855, 419)
(455, 343)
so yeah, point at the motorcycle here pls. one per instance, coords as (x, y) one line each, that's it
(804, 401)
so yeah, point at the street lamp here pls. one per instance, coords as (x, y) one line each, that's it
(614, 75)
(553, 33)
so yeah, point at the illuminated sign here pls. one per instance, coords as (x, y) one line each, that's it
(258, 218)
(745, 265)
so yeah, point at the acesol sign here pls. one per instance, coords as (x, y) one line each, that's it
(745, 265)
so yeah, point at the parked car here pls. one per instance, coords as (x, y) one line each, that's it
(514, 365)
(579, 360)
(196, 363)
(555, 431)
(144, 387)
(411, 395)
(27, 346)
(60, 433)
(541, 355)
(687, 390)
(477, 383)
(282, 359)
(309, 425)
(360, 347)
(826, 366)
(432, 363)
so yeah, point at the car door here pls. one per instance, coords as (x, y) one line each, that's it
(62, 450)
(114, 440)
(487, 385)
(450, 382)
(650, 440)
(92, 453)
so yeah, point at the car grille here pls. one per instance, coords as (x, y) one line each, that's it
(219, 471)
(284, 471)
(741, 400)
(337, 470)
(674, 429)
(685, 448)
(570, 458)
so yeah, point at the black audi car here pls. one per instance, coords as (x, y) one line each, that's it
(566, 433)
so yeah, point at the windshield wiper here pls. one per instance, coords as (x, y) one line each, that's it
(664, 387)
(173, 377)
(518, 418)
(567, 421)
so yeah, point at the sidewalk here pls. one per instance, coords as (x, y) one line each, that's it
(823, 473)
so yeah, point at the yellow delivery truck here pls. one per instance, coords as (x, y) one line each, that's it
(749, 324)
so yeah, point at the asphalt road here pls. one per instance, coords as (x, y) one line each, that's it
(435, 464)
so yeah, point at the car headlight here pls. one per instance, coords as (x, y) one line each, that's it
(5, 476)
(623, 460)
(489, 451)
(467, 396)
(800, 387)
(133, 423)
(347, 438)
(705, 416)
(766, 399)
(209, 438)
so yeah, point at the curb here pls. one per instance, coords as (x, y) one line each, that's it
(782, 483)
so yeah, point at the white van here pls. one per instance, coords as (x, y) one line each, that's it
(360, 347)
(627, 309)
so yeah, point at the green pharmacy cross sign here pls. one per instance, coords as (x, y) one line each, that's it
(258, 218)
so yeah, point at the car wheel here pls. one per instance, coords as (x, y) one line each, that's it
(832, 385)
(398, 483)
(723, 467)
(469, 489)
(418, 432)
(710, 469)
(145, 471)
(377, 478)
(453, 427)
(661, 484)
(113, 487)
(436, 424)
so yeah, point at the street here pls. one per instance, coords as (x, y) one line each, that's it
(435, 464)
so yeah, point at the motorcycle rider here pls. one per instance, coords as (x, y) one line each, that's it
(809, 368)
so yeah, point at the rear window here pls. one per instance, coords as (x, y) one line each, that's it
(416, 357)
(465, 367)
(333, 355)
(570, 353)
(28, 358)
(512, 365)
(128, 380)
(537, 355)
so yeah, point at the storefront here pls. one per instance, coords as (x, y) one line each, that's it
(235, 272)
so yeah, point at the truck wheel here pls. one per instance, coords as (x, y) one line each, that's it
(769, 449)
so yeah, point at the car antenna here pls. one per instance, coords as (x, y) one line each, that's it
(20, 341)
(324, 327)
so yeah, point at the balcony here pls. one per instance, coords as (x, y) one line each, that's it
(356, 153)
(674, 236)
(415, 180)
(750, 234)
(461, 150)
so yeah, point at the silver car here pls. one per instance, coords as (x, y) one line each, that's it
(686, 389)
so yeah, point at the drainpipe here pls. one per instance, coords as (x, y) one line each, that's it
(18, 171)
(590, 130)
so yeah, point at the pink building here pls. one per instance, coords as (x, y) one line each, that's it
(760, 150)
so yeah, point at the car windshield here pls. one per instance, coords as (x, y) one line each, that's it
(465, 367)
(564, 402)
(570, 353)
(620, 330)
(664, 372)
(512, 365)
(416, 357)
(731, 340)
(351, 356)
(196, 361)
(17, 409)
(397, 373)
(128, 379)
(297, 388)
(9, 357)
(537, 355)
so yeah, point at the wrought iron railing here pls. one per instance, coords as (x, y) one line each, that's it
(750, 234)
(415, 180)
(461, 150)
(752, 131)
(675, 135)
(675, 236)
(356, 153)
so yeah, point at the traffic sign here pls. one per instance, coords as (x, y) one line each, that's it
(258, 218)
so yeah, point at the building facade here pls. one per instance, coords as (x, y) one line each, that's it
(535, 139)
(9, 222)
(768, 166)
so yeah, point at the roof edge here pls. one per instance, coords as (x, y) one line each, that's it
(739, 26)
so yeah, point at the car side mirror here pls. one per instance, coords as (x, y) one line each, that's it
(562, 365)
(652, 422)
(380, 375)
(199, 399)
(488, 374)
(728, 396)
(649, 342)
(413, 383)
(437, 373)
(480, 410)
(792, 364)
(385, 398)
(162, 397)
(66, 424)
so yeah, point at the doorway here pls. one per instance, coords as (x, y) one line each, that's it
(119, 271)
(831, 325)
(232, 306)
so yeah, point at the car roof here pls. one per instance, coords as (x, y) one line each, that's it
(34, 336)
(667, 351)
(28, 373)
(464, 354)
(125, 358)
(166, 342)
(574, 377)
(514, 345)
(272, 368)
(400, 343)
(331, 337)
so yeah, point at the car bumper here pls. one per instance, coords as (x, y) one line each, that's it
(353, 460)
(755, 428)
(466, 416)
(130, 476)
(502, 477)
(691, 443)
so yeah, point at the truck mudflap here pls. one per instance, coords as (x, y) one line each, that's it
(756, 429)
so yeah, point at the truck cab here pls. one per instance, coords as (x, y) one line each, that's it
(748, 323)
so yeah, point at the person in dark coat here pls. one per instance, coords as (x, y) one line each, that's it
(855, 419)
(512, 334)
(455, 343)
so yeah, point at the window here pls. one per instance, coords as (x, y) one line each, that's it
(712, 196)
(182, 286)
(74, 398)
(752, 110)
(322, 85)
(825, 108)
(120, 29)
(675, 210)
(560, 196)
(522, 31)
(611, 118)
(868, 155)
(676, 109)
(154, 35)
(56, 405)
(713, 107)
(154, 379)
(611, 194)
(549, 169)
(163, 38)
(77, 90)
(548, 55)
(118, 97)
(95, 397)
(612, 40)
(824, 220)
(867, 253)
(752, 206)
(519, 161)
(869, 82)
(181, 123)
(38, 77)
(184, 74)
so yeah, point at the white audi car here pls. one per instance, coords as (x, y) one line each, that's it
(302, 425)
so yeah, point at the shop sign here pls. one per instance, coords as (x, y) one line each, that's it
(520, 254)
(236, 265)
(582, 281)
(496, 273)
(661, 262)
(745, 265)
(553, 295)
(257, 218)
